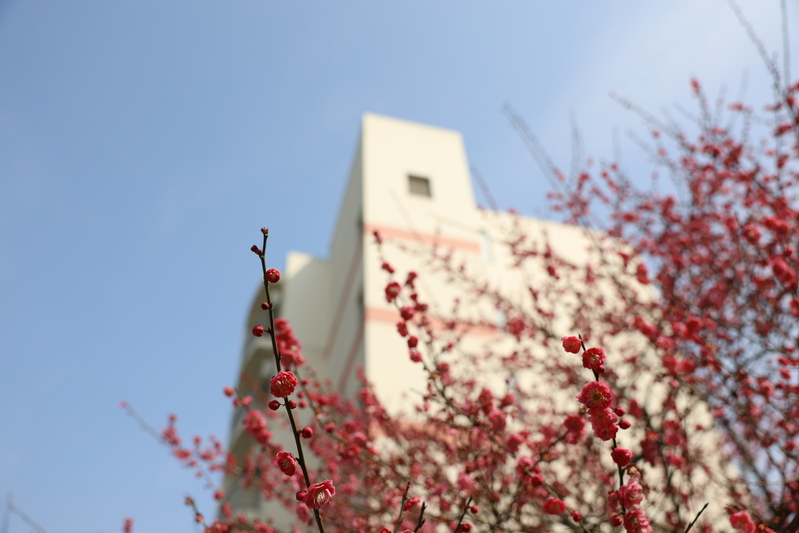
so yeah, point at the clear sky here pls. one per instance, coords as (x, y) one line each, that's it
(144, 143)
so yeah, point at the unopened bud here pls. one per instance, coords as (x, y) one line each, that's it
(272, 275)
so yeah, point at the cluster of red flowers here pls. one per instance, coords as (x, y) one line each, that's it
(597, 398)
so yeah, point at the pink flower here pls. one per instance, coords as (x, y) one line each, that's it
(286, 463)
(497, 419)
(594, 359)
(283, 384)
(272, 275)
(606, 432)
(576, 426)
(412, 503)
(636, 521)
(574, 423)
(304, 514)
(258, 331)
(631, 494)
(255, 424)
(571, 344)
(465, 483)
(604, 423)
(602, 417)
(319, 494)
(554, 506)
(751, 233)
(513, 441)
(596, 395)
(742, 522)
(392, 291)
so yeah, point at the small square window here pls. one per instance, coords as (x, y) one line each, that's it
(419, 186)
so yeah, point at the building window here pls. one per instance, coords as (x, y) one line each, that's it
(419, 186)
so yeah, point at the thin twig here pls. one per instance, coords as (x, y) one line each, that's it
(420, 522)
(402, 506)
(25, 518)
(463, 514)
(786, 48)
(198, 516)
(278, 357)
(695, 519)
(761, 50)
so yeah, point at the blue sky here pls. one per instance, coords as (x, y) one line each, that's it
(143, 144)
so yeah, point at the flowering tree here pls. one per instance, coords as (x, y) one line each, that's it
(672, 346)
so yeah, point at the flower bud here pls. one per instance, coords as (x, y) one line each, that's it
(621, 456)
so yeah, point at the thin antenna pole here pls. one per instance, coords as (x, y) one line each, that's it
(786, 49)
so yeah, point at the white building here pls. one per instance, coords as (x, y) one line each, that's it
(411, 183)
